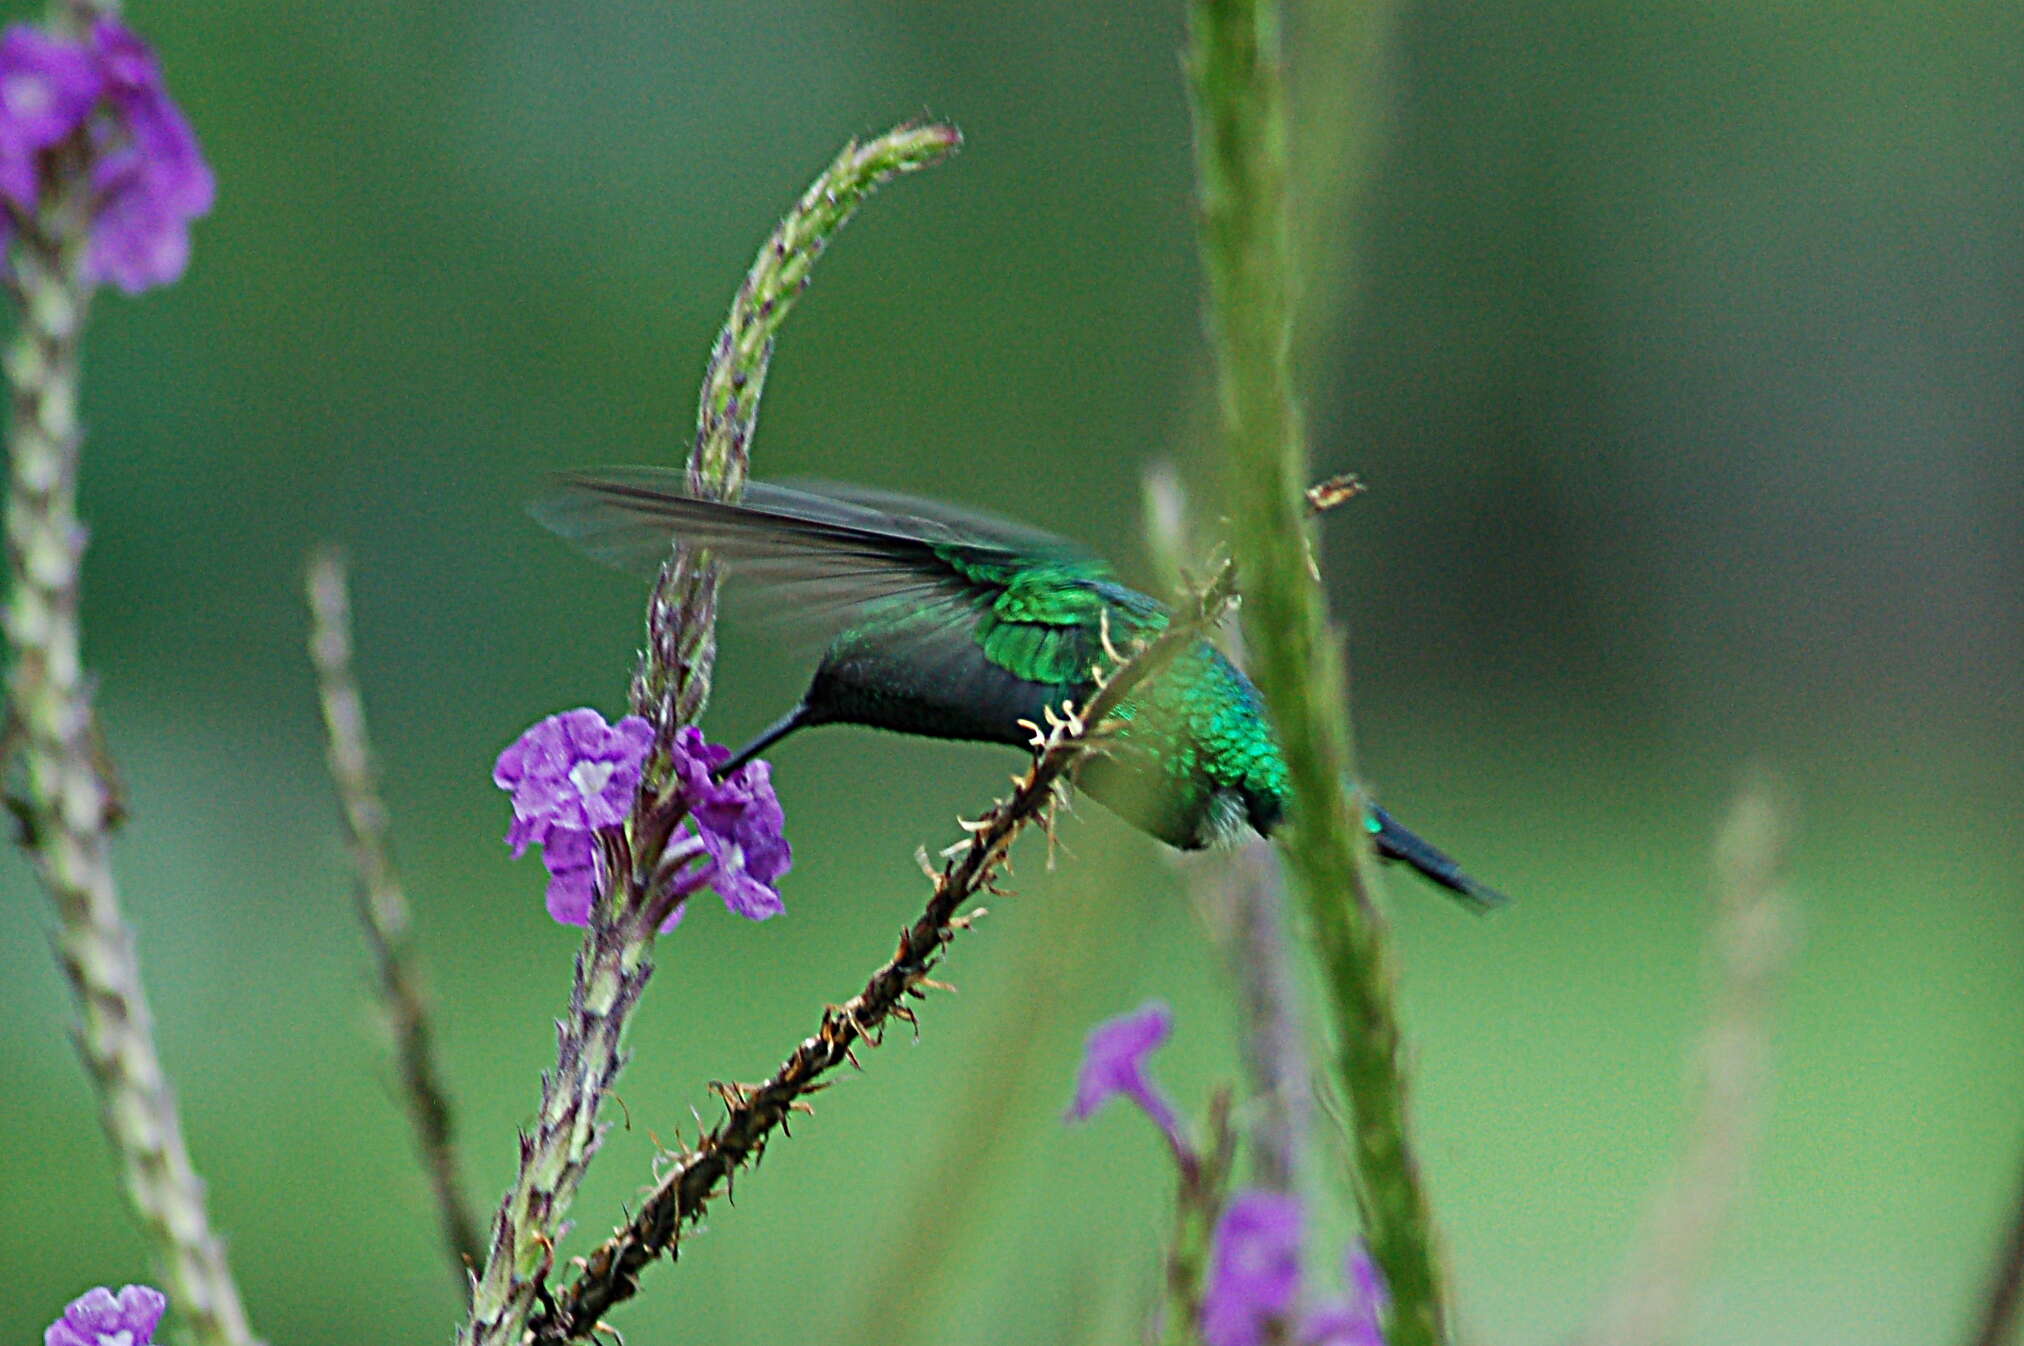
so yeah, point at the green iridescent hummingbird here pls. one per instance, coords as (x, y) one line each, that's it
(961, 626)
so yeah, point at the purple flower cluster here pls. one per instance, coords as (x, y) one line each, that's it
(572, 776)
(1254, 1257)
(98, 1317)
(149, 179)
(1254, 1282)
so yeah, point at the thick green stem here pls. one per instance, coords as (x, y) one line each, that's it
(70, 802)
(1239, 106)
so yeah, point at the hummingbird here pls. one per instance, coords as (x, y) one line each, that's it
(958, 625)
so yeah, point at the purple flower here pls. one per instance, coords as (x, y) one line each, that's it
(100, 1318)
(695, 758)
(1352, 1319)
(571, 861)
(149, 178)
(1114, 1063)
(1254, 1268)
(47, 89)
(152, 184)
(572, 772)
(741, 825)
(572, 776)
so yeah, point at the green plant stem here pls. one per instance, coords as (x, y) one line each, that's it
(1198, 1201)
(1239, 108)
(383, 906)
(669, 689)
(612, 969)
(70, 802)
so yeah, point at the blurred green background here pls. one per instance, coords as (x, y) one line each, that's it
(1683, 352)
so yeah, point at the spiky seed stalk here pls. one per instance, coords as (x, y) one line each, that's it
(67, 810)
(611, 1273)
(383, 905)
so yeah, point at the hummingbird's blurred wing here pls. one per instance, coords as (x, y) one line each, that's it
(954, 588)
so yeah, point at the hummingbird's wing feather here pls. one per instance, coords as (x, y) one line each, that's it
(973, 525)
(953, 588)
(630, 517)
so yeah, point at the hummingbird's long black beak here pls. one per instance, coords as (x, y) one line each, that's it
(779, 729)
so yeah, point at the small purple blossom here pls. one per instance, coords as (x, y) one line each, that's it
(695, 759)
(1353, 1319)
(1254, 1279)
(149, 178)
(569, 775)
(571, 861)
(1254, 1268)
(572, 776)
(572, 772)
(47, 89)
(154, 183)
(98, 1317)
(741, 825)
(1114, 1063)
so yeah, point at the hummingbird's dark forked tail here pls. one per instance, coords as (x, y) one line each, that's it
(1394, 842)
(797, 718)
